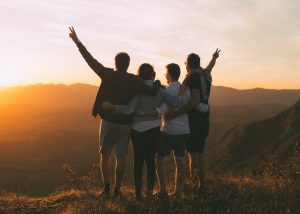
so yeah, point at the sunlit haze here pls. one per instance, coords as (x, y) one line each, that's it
(259, 39)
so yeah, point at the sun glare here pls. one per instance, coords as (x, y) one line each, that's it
(11, 74)
(8, 81)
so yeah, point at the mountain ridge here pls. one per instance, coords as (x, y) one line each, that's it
(220, 95)
(253, 142)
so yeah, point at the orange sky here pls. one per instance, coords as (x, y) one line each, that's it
(260, 40)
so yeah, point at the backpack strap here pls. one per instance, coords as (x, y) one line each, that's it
(204, 87)
(205, 80)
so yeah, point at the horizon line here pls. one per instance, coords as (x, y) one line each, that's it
(89, 84)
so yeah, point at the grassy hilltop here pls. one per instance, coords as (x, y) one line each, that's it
(226, 194)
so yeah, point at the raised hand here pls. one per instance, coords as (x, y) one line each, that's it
(73, 35)
(216, 53)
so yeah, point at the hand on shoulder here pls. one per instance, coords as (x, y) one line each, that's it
(107, 106)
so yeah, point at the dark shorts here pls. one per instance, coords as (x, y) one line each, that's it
(168, 143)
(199, 126)
(196, 143)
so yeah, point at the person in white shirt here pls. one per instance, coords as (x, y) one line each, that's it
(174, 133)
(199, 81)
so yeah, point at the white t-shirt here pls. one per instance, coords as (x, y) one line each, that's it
(179, 125)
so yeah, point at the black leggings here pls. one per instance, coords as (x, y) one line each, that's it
(144, 148)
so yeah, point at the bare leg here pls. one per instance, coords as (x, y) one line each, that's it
(194, 168)
(105, 167)
(179, 177)
(119, 170)
(197, 167)
(105, 172)
(201, 171)
(161, 173)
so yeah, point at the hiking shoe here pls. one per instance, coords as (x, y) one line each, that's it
(105, 194)
(138, 196)
(201, 191)
(116, 193)
(149, 195)
(175, 195)
(161, 195)
(194, 181)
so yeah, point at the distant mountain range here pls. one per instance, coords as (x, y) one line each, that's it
(220, 96)
(224, 96)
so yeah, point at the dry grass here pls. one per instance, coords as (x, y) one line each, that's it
(224, 194)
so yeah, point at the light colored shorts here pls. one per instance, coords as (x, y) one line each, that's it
(114, 136)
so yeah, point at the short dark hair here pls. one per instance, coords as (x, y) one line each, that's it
(173, 70)
(193, 61)
(122, 60)
(146, 71)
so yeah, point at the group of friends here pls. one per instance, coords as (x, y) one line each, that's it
(158, 120)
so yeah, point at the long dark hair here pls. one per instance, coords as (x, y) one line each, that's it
(146, 72)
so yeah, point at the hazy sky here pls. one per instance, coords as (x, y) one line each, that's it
(260, 40)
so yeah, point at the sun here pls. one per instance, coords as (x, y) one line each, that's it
(11, 73)
(10, 79)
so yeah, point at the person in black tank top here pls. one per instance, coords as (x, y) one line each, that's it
(198, 80)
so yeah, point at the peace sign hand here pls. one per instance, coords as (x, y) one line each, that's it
(73, 35)
(216, 53)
